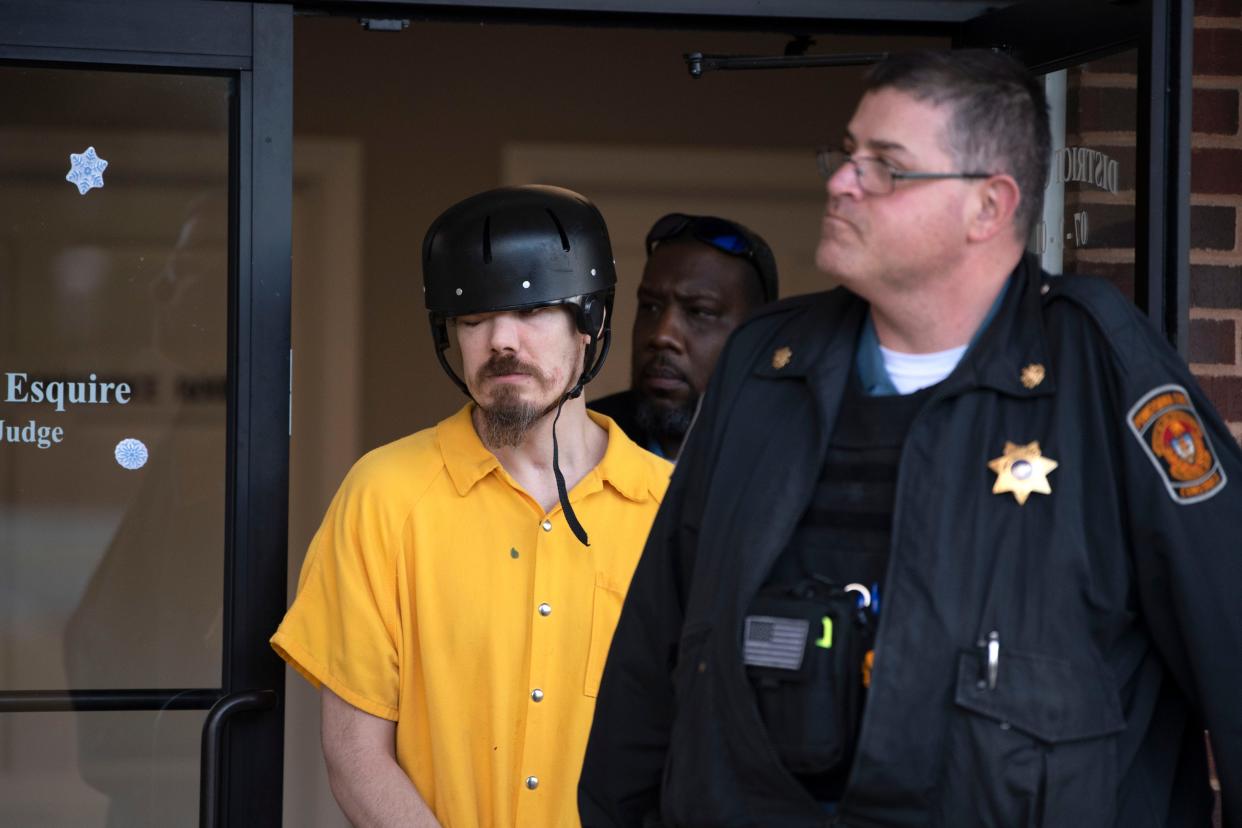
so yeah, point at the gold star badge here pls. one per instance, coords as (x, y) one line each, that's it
(1022, 470)
(781, 357)
(1032, 375)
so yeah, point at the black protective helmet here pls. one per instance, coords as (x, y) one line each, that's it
(521, 247)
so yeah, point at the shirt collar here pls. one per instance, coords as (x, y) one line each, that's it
(468, 461)
(624, 466)
(1015, 341)
(465, 457)
(869, 362)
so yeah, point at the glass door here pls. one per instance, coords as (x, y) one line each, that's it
(143, 412)
(1090, 211)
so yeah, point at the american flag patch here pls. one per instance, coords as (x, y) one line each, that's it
(770, 641)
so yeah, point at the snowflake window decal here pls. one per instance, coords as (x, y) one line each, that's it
(131, 454)
(86, 170)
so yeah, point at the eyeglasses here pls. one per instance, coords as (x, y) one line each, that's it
(874, 176)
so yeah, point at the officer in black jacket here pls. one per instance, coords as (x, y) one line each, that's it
(955, 545)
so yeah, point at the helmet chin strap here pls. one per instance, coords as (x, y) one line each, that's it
(562, 492)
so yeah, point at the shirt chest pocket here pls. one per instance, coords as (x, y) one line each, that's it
(605, 613)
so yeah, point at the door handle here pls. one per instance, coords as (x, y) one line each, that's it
(213, 734)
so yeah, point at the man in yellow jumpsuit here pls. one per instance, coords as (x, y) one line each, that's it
(452, 608)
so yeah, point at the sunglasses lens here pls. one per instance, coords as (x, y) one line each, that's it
(729, 243)
(719, 234)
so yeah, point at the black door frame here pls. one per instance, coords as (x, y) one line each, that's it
(242, 755)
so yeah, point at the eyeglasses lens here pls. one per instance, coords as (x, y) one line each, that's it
(829, 161)
(873, 175)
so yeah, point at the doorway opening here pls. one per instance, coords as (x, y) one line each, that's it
(413, 120)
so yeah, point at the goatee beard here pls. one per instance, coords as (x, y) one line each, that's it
(508, 420)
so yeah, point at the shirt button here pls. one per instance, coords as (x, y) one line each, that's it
(532, 782)
(545, 610)
(547, 525)
(536, 695)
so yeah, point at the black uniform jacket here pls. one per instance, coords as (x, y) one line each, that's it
(1117, 604)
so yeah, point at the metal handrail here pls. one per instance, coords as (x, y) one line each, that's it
(213, 733)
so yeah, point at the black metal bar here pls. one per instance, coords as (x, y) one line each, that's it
(883, 11)
(210, 769)
(698, 63)
(1162, 198)
(655, 20)
(50, 701)
(260, 531)
(218, 28)
(113, 58)
(1179, 48)
(1149, 172)
(1156, 231)
(240, 232)
(248, 788)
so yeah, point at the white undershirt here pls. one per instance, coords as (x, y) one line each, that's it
(910, 372)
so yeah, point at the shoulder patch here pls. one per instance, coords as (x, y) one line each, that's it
(1171, 433)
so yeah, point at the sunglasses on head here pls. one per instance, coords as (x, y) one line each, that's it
(720, 234)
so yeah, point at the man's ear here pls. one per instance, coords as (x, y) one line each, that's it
(992, 208)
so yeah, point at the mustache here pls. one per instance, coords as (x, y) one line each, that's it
(662, 367)
(502, 364)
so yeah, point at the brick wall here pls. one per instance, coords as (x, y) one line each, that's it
(1216, 184)
(1216, 246)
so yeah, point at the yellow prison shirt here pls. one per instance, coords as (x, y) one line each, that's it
(439, 595)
